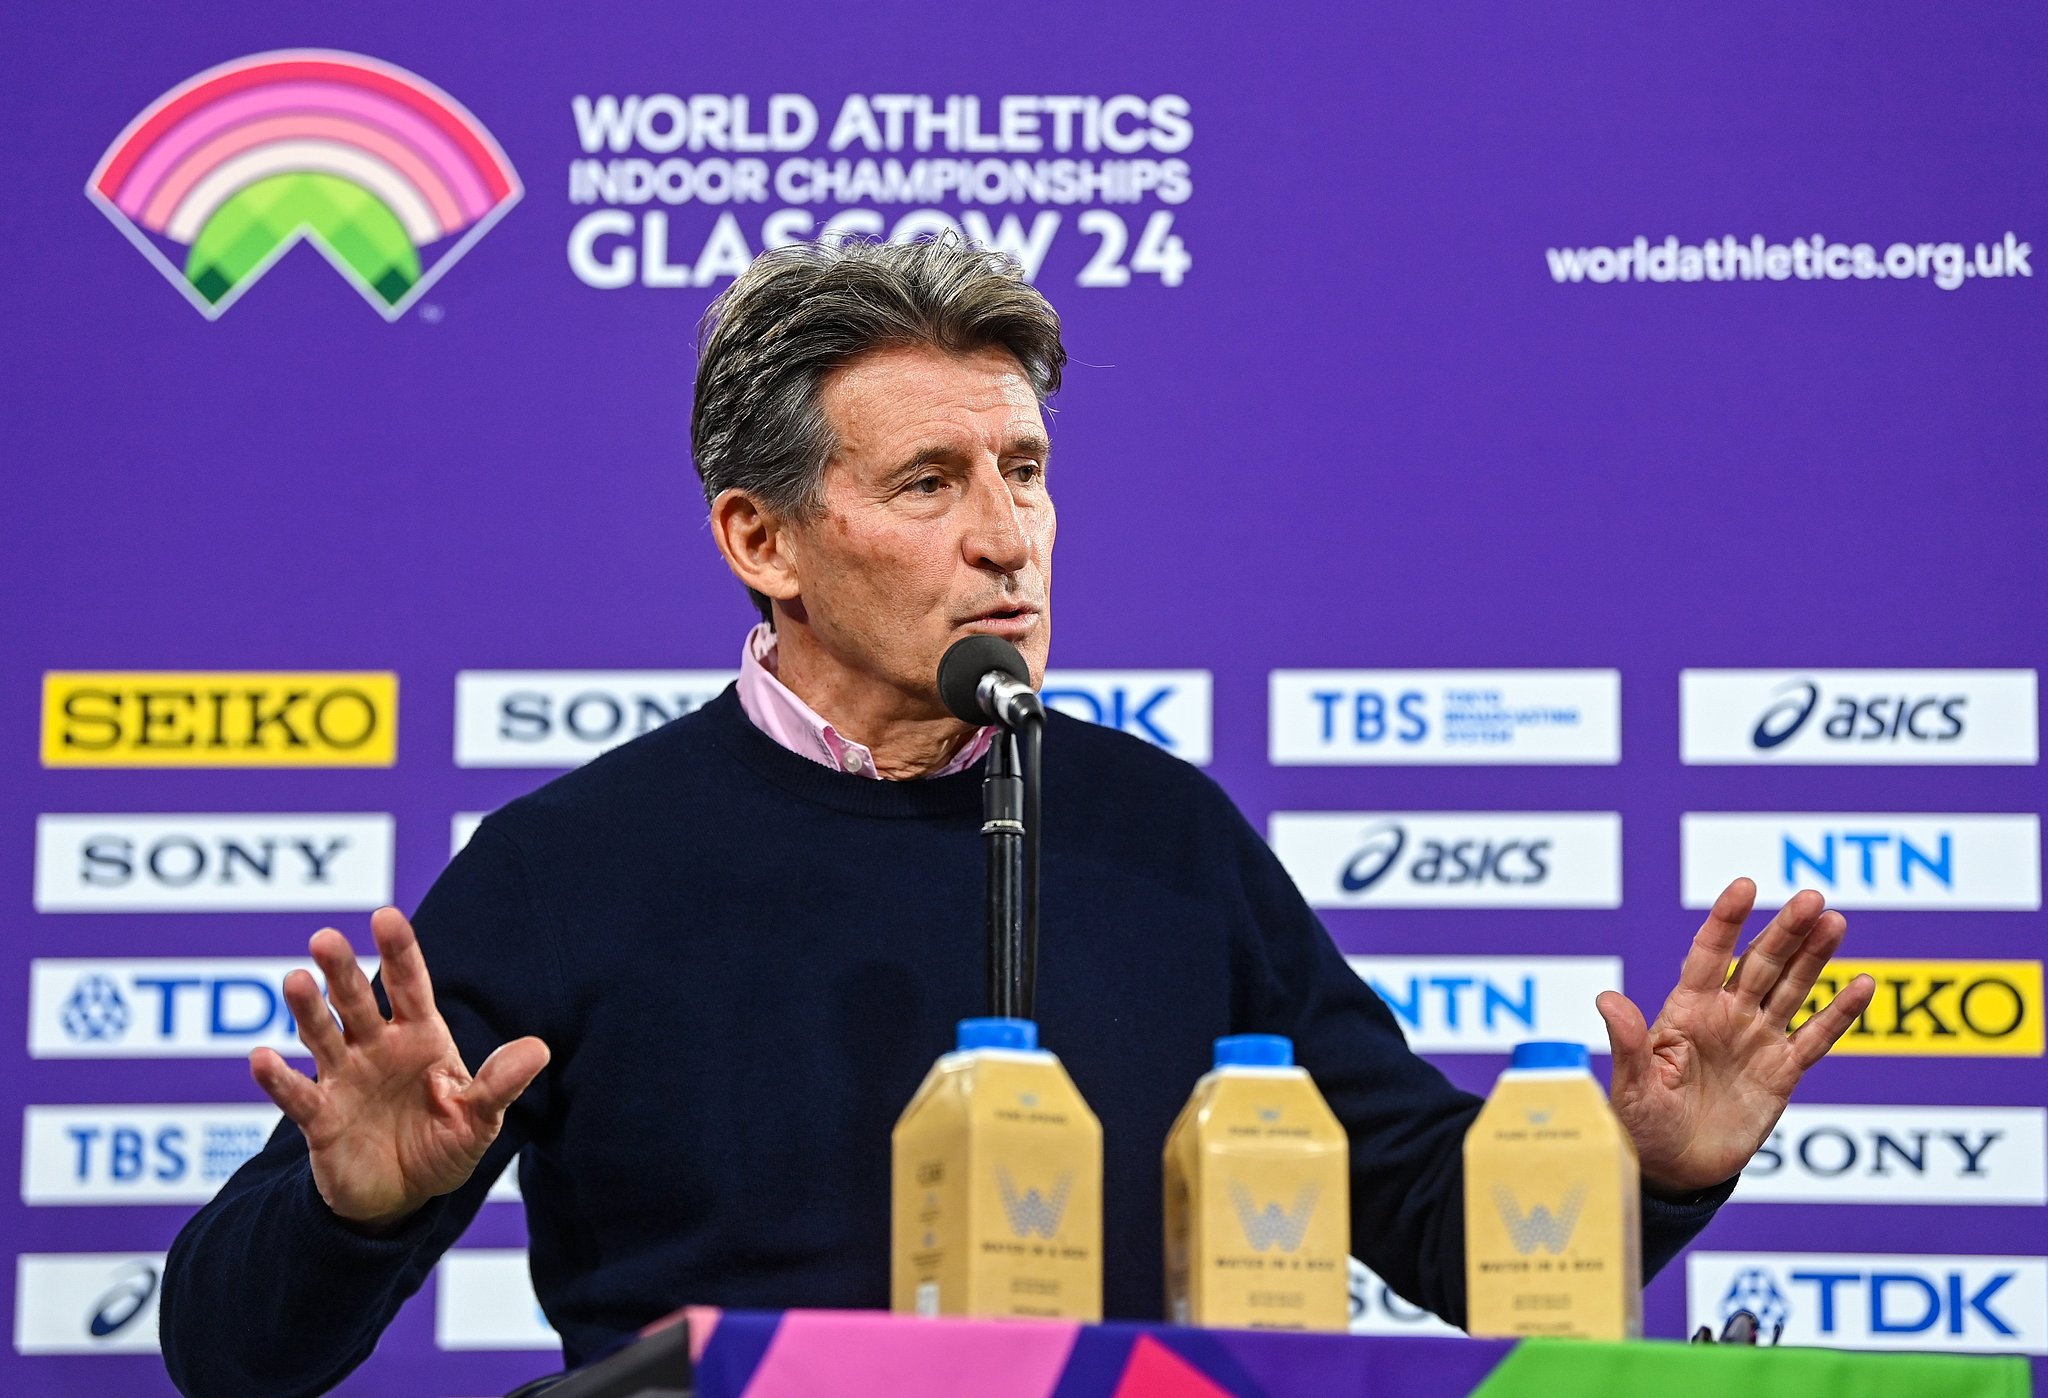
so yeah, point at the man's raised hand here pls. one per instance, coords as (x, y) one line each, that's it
(1702, 1088)
(395, 1119)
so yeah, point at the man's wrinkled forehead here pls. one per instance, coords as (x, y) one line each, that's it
(907, 404)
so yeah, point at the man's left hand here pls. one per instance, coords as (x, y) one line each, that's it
(1701, 1089)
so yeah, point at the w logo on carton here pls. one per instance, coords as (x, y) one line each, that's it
(1539, 1227)
(1031, 1212)
(1273, 1226)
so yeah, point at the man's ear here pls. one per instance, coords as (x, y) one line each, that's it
(757, 544)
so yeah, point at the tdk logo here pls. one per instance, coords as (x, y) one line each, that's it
(563, 718)
(1376, 1310)
(1900, 860)
(1167, 708)
(1465, 716)
(1488, 1004)
(86, 1302)
(1858, 716)
(137, 1154)
(212, 863)
(183, 1008)
(1825, 1154)
(1877, 1301)
(1450, 859)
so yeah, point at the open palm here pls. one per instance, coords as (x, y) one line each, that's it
(395, 1118)
(1701, 1088)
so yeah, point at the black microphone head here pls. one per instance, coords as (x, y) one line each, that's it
(963, 665)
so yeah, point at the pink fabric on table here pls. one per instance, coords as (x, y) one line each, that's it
(852, 1354)
(774, 709)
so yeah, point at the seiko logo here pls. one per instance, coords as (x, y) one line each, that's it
(562, 718)
(1488, 1004)
(219, 719)
(1877, 1301)
(1901, 1155)
(212, 863)
(1167, 708)
(161, 1008)
(86, 1302)
(1861, 716)
(1469, 716)
(1899, 860)
(137, 1154)
(1939, 1008)
(1432, 859)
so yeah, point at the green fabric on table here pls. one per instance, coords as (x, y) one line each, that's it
(1584, 1369)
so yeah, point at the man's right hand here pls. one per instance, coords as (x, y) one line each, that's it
(395, 1118)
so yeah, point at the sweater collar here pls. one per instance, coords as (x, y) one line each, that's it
(801, 776)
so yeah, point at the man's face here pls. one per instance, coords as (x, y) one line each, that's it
(935, 520)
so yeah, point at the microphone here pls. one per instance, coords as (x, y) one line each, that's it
(983, 679)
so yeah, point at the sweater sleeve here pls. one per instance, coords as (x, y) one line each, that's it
(266, 1291)
(1405, 1120)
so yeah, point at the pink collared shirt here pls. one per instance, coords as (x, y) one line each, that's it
(775, 710)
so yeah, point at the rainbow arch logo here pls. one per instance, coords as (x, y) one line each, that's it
(387, 175)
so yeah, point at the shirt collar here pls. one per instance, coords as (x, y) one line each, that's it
(775, 709)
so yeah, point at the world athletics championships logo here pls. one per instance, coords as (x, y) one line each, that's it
(372, 165)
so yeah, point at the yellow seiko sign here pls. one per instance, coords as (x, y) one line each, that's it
(1940, 1009)
(220, 718)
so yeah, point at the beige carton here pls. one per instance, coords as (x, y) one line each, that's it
(1258, 1202)
(1553, 1206)
(997, 1185)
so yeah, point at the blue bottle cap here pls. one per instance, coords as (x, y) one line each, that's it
(1255, 1051)
(1545, 1053)
(998, 1033)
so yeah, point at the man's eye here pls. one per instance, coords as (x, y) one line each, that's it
(928, 485)
(1027, 472)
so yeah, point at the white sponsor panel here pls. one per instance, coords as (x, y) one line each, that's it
(505, 1188)
(1811, 717)
(1169, 709)
(86, 1302)
(1488, 1004)
(1824, 1154)
(1881, 1301)
(1491, 717)
(212, 863)
(563, 718)
(164, 1007)
(483, 1299)
(1862, 860)
(1376, 1310)
(1451, 859)
(137, 1154)
(462, 828)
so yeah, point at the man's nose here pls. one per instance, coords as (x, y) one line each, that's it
(996, 535)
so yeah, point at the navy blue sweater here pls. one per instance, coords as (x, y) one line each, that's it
(744, 962)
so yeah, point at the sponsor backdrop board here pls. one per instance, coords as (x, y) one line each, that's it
(1540, 463)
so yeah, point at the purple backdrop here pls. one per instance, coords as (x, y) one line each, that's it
(1375, 425)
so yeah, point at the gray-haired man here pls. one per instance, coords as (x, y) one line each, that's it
(691, 985)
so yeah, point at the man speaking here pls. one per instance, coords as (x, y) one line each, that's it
(691, 985)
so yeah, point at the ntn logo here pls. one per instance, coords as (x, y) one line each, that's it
(1460, 1001)
(1819, 857)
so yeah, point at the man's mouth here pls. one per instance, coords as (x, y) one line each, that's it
(1004, 621)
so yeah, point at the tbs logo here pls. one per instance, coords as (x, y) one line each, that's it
(137, 1154)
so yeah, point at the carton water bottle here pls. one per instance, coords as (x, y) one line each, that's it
(1553, 1226)
(1258, 1202)
(997, 1185)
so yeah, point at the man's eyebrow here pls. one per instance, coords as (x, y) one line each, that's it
(1028, 444)
(1025, 444)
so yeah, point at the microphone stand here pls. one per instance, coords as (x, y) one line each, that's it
(1010, 808)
